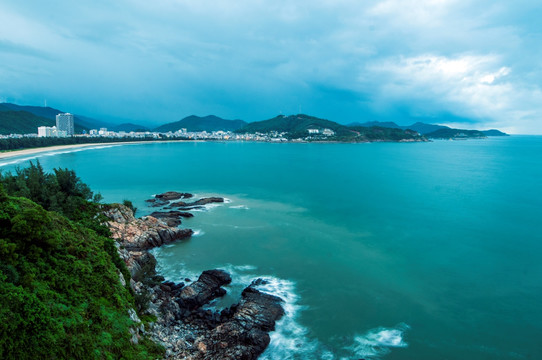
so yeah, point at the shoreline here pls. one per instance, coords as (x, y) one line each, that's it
(32, 151)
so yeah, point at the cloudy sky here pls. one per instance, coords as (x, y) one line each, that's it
(471, 63)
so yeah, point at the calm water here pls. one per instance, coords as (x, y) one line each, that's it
(395, 251)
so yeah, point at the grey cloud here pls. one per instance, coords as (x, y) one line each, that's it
(159, 61)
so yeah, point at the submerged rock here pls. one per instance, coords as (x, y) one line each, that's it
(196, 204)
(157, 202)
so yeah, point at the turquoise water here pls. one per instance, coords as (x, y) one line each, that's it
(395, 251)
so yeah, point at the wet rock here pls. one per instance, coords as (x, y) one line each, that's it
(245, 334)
(205, 289)
(173, 195)
(171, 214)
(171, 218)
(156, 202)
(198, 204)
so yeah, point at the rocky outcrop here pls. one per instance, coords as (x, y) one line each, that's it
(196, 204)
(144, 233)
(171, 218)
(245, 334)
(206, 288)
(173, 195)
(183, 325)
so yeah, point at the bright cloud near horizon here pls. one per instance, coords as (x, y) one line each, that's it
(464, 63)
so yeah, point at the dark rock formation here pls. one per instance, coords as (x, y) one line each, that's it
(173, 195)
(171, 218)
(183, 326)
(206, 288)
(171, 214)
(156, 202)
(245, 334)
(197, 203)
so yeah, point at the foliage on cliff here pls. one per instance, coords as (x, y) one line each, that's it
(60, 294)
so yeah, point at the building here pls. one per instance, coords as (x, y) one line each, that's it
(46, 131)
(313, 131)
(64, 122)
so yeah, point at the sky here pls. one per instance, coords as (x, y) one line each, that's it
(464, 63)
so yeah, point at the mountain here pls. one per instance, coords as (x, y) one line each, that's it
(449, 133)
(128, 127)
(424, 128)
(386, 124)
(295, 125)
(21, 122)
(80, 122)
(494, 132)
(420, 127)
(197, 123)
(432, 130)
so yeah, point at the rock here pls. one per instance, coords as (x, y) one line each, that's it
(171, 214)
(141, 234)
(196, 204)
(182, 326)
(173, 195)
(205, 289)
(171, 218)
(157, 202)
(245, 334)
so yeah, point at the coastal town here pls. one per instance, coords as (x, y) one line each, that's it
(65, 128)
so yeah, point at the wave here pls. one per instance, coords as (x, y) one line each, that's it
(46, 153)
(291, 339)
(198, 232)
(241, 207)
(379, 342)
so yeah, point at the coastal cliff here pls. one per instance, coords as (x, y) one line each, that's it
(182, 326)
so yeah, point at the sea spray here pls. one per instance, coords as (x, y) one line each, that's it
(379, 342)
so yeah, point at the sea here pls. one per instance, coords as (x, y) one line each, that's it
(379, 250)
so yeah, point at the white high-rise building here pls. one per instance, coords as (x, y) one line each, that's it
(45, 131)
(64, 122)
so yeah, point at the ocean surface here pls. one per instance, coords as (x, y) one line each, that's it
(380, 251)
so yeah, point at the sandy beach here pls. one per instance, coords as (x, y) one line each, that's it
(10, 154)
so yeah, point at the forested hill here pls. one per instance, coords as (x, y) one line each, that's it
(60, 293)
(297, 126)
(19, 119)
(293, 124)
(21, 122)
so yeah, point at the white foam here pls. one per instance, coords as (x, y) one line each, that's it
(198, 232)
(51, 153)
(241, 207)
(379, 342)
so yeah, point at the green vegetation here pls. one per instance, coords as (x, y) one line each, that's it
(207, 123)
(21, 122)
(296, 126)
(60, 292)
(448, 133)
(377, 133)
(24, 122)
